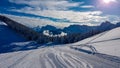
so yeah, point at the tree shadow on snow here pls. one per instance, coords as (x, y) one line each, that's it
(11, 41)
(82, 50)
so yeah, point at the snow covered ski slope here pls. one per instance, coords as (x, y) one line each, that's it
(53, 57)
(107, 42)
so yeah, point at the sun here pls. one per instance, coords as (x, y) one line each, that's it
(108, 1)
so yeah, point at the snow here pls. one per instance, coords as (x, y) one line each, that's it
(7, 35)
(53, 57)
(107, 42)
(60, 56)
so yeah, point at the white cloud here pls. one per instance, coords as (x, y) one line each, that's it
(33, 22)
(113, 18)
(48, 4)
(80, 17)
(87, 6)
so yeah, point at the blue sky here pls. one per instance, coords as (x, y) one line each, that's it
(67, 11)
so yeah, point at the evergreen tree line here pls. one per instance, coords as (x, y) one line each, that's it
(69, 38)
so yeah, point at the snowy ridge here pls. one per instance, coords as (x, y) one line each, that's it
(107, 42)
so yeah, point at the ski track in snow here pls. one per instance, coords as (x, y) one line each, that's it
(56, 60)
(53, 57)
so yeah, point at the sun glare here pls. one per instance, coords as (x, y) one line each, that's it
(108, 1)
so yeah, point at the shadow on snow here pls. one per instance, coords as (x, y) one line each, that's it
(10, 41)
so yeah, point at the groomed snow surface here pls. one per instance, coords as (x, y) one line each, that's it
(61, 56)
(106, 43)
(53, 57)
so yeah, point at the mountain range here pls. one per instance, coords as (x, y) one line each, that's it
(81, 29)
